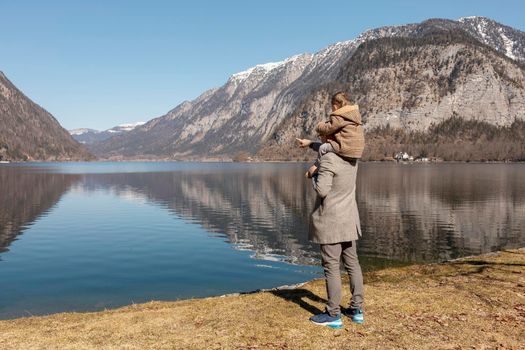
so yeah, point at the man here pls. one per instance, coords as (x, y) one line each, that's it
(336, 227)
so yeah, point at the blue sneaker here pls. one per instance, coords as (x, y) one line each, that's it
(325, 319)
(356, 315)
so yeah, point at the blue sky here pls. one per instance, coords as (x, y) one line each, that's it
(97, 64)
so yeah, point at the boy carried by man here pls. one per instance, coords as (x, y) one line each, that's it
(342, 134)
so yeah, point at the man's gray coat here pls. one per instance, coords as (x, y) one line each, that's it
(335, 217)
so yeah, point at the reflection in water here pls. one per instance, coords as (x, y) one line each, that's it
(24, 197)
(261, 209)
(439, 212)
(408, 213)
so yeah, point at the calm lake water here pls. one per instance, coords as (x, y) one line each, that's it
(89, 236)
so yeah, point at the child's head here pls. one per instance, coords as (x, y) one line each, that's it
(340, 99)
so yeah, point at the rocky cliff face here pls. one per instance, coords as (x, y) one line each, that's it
(412, 83)
(408, 76)
(28, 132)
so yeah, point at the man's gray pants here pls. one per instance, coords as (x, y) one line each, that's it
(331, 255)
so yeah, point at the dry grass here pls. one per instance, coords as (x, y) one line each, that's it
(475, 303)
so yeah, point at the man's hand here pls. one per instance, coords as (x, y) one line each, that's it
(303, 142)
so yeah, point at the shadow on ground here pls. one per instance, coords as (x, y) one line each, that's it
(301, 298)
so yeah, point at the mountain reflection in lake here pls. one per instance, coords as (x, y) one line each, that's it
(86, 236)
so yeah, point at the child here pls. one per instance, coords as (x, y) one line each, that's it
(342, 134)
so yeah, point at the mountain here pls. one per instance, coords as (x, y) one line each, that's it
(29, 132)
(409, 76)
(504, 39)
(91, 136)
(417, 83)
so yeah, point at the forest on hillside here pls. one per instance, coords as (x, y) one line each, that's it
(454, 139)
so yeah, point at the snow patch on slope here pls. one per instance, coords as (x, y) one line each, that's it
(263, 68)
(509, 44)
(481, 25)
(494, 34)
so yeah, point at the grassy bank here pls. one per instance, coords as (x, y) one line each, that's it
(473, 303)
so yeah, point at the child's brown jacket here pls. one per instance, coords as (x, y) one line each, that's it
(347, 129)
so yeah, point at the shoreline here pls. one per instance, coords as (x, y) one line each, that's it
(476, 301)
(252, 161)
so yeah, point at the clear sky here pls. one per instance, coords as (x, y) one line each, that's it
(97, 64)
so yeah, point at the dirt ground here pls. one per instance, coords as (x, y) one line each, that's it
(472, 303)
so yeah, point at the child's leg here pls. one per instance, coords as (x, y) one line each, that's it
(323, 149)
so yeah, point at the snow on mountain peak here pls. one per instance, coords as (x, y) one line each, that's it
(128, 126)
(118, 128)
(467, 18)
(336, 47)
(500, 37)
(485, 29)
(505, 39)
(81, 131)
(481, 25)
(263, 68)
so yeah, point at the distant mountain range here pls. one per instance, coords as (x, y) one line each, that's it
(29, 132)
(409, 77)
(90, 136)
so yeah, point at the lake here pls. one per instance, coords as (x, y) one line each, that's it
(89, 236)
